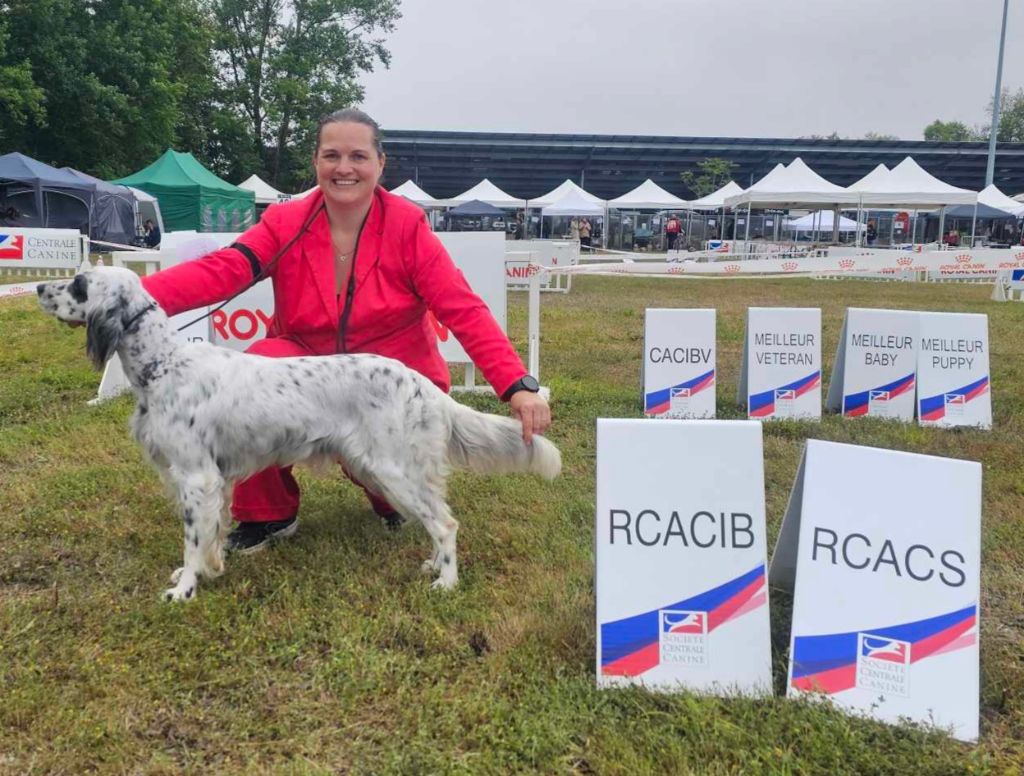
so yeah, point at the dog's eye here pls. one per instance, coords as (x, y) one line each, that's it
(77, 288)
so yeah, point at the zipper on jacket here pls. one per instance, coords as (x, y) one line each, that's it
(350, 290)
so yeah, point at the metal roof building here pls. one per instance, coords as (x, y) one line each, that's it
(527, 165)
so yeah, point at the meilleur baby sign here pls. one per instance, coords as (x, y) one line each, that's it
(876, 365)
(681, 598)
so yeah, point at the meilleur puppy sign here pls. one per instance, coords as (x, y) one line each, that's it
(883, 549)
(953, 371)
(781, 375)
(681, 597)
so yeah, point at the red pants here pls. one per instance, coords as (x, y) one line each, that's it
(273, 494)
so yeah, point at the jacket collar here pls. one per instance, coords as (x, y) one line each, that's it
(319, 252)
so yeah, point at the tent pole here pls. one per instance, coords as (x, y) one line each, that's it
(747, 237)
(913, 229)
(835, 224)
(860, 203)
(942, 225)
(974, 222)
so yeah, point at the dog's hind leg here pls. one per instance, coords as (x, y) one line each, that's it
(200, 497)
(419, 498)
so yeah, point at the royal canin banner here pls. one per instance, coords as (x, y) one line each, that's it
(979, 263)
(882, 552)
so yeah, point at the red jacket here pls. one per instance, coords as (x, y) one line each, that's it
(401, 271)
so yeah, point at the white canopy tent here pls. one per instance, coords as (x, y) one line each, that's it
(880, 173)
(264, 192)
(648, 196)
(993, 197)
(573, 204)
(821, 221)
(560, 191)
(716, 199)
(908, 186)
(414, 193)
(485, 191)
(792, 186)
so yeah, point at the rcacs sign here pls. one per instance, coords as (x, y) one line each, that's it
(886, 571)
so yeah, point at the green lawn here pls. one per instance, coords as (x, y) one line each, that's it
(330, 654)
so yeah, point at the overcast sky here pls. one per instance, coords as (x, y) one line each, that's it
(738, 68)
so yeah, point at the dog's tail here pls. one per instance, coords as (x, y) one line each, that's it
(490, 444)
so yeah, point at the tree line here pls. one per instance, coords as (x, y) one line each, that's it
(106, 86)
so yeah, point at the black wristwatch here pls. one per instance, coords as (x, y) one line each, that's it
(524, 383)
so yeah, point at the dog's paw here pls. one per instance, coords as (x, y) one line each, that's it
(176, 575)
(177, 593)
(444, 583)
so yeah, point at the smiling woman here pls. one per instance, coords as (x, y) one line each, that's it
(355, 270)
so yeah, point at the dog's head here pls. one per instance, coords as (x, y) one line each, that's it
(105, 299)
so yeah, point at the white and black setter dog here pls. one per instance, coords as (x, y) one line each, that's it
(208, 417)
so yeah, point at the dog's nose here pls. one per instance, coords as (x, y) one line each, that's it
(40, 288)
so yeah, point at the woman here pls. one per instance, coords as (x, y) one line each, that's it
(355, 270)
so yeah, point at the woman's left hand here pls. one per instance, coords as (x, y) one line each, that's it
(532, 411)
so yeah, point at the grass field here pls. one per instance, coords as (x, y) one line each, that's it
(329, 654)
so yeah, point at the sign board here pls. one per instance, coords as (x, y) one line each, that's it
(1016, 280)
(40, 248)
(781, 373)
(680, 575)
(481, 257)
(953, 371)
(886, 570)
(876, 365)
(679, 363)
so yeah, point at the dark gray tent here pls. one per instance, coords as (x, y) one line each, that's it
(476, 208)
(36, 194)
(967, 211)
(113, 211)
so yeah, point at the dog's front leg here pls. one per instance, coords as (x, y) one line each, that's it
(200, 497)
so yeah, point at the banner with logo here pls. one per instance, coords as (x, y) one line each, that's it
(680, 574)
(953, 371)
(882, 550)
(876, 365)
(679, 363)
(781, 374)
(23, 248)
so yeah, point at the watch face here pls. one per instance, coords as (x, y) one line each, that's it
(530, 383)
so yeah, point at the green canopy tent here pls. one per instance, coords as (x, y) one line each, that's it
(193, 198)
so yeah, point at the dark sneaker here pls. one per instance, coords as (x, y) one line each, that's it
(247, 538)
(393, 521)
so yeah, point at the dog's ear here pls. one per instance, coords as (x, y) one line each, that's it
(104, 328)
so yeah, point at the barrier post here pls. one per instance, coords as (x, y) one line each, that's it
(533, 325)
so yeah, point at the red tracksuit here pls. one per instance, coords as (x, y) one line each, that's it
(401, 271)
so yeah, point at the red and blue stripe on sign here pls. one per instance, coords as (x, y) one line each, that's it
(630, 646)
(657, 402)
(762, 405)
(856, 404)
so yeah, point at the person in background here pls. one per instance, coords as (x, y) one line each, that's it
(952, 238)
(673, 228)
(152, 238)
(585, 231)
(871, 233)
(574, 228)
(355, 269)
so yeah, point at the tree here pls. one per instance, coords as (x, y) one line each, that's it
(115, 76)
(714, 173)
(949, 131)
(283, 63)
(21, 100)
(1011, 117)
(879, 136)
